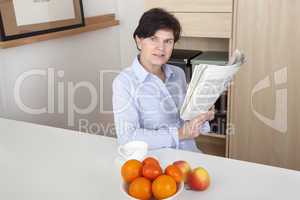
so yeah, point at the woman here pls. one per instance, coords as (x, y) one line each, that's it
(147, 96)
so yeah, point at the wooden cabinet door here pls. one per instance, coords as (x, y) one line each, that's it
(191, 5)
(210, 25)
(265, 96)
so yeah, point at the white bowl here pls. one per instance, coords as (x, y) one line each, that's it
(124, 189)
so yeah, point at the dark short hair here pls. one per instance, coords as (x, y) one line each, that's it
(156, 19)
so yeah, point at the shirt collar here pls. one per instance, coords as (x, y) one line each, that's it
(142, 74)
(168, 71)
(139, 70)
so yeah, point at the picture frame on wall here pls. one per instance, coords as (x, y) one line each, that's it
(25, 18)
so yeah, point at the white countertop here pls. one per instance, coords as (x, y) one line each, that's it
(41, 163)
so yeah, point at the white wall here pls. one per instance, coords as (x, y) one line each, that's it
(129, 13)
(1, 87)
(80, 57)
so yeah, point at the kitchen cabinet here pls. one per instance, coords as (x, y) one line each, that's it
(210, 6)
(195, 24)
(265, 95)
(194, 15)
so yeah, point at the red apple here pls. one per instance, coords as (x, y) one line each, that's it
(184, 167)
(198, 179)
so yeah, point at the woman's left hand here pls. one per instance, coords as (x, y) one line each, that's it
(211, 113)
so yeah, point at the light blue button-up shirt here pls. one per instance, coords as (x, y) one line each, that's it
(147, 109)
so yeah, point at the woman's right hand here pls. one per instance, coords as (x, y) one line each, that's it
(190, 129)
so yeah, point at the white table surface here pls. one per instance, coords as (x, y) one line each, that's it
(41, 163)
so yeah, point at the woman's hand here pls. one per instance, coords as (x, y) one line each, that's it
(190, 129)
(212, 113)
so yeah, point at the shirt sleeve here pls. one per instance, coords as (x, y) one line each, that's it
(126, 117)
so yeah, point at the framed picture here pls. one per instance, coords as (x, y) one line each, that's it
(25, 18)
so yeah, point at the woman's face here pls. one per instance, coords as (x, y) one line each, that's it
(157, 49)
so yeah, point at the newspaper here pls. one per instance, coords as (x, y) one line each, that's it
(207, 84)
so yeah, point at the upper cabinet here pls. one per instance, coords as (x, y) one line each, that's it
(200, 18)
(192, 5)
(210, 25)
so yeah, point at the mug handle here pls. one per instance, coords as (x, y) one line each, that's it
(120, 151)
(138, 155)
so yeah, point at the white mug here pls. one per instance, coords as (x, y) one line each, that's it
(133, 150)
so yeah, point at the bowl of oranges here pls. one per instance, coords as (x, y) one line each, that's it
(147, 180)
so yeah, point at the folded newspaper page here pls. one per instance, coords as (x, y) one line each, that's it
(207, 84)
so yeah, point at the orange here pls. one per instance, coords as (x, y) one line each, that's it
(140, 188)
(174, 172)
(150, 160)
(163, 187)
(151, 171)
(131, 170)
